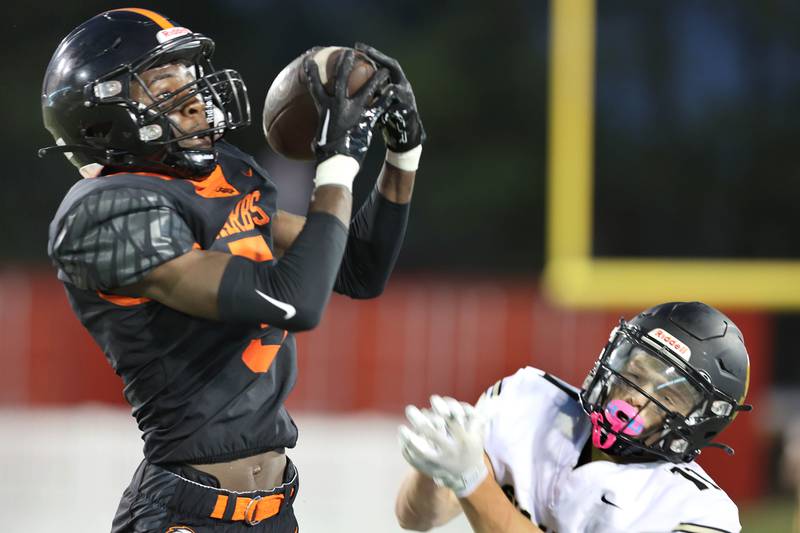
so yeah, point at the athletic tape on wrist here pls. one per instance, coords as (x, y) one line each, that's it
(408, 161)
(337, 170)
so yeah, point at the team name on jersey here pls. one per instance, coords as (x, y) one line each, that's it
(245, 216)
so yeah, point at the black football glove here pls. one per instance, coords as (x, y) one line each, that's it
(346, 123)
(401, 125)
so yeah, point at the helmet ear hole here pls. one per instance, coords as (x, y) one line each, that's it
(710, 434)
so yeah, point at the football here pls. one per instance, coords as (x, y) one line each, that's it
(290, 119)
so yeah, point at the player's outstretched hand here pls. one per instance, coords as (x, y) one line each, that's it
(346, 122)
(401, 125)
(445, 442)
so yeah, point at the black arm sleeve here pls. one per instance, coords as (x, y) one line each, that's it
(292, 293)
(376, 235)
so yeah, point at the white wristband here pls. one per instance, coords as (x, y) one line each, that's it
(408, 161)
(337, 170)
(469, 481)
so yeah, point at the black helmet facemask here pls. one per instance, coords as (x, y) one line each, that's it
(647, 402)
(115, 132)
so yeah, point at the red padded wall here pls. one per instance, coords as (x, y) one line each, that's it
(423, 336)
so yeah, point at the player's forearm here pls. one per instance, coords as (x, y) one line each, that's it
(376, 236)
(489, 511)
(333, 199)
(396, 185)
(422, 505)
(286, 227)
(219, 286)
(292, 293)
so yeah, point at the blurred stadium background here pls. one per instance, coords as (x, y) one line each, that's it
(582, 164)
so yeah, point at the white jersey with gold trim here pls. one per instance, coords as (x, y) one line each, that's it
(534, 440)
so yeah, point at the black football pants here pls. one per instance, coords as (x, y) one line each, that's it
(185, 500)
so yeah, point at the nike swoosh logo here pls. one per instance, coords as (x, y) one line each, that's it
(288, 308)
(604, 500)
(324, 137)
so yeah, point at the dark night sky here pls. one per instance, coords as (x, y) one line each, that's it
(695, 133)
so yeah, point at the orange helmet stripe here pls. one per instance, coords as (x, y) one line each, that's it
(152, 15)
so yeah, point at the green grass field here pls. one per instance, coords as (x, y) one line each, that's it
(768, 516)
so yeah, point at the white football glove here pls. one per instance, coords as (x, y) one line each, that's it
(446, 443)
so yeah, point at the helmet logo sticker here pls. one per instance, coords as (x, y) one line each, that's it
(675, 345)
(171, 33)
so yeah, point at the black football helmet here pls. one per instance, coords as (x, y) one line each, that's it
(87, 104)
(667, 383)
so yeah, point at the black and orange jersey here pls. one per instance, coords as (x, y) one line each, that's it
(201, 391)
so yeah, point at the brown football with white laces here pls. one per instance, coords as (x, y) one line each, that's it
(290, 120)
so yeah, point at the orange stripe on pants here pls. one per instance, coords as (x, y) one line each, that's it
(219, 507)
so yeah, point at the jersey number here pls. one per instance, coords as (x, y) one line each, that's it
(699, 481)
(255, 248)
(257, 356)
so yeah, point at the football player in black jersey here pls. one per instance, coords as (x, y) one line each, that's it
(176, 259)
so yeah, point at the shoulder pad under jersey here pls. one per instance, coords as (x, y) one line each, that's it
(114, 237)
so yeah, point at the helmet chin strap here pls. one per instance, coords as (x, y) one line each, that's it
(182, 163)
(65, 148)
(192, 163)
(724, 447)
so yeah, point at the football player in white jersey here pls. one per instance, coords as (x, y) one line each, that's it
(536, 454)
